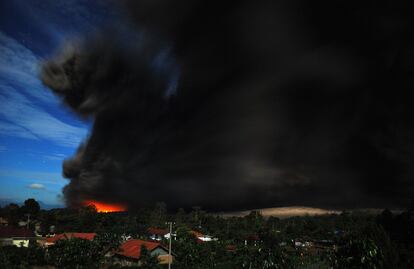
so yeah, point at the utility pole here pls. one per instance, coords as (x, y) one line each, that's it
(169, 248)
(28, 220)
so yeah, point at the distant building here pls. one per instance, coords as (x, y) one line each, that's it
(22, 223)
(252, 239)
(157, 234)
(52, 240)
(231, 248)
(3, 222)
(19, 237)
(202, 237)
(167, 236)
(129, 253)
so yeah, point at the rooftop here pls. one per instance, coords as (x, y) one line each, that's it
(132, 248)
(87, 236)
(7, 232)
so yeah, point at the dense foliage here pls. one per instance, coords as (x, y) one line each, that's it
(348, 240)
(14, 257)
(75, 253)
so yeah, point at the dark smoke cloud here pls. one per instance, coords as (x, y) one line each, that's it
(277, 103)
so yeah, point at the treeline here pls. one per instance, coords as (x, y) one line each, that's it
(351, 240)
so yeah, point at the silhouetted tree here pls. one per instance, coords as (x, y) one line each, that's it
(13, 213)
(31, 206)
(159, 215)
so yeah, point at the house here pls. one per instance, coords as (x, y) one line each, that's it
(129, 252)
(202, 237)
(196, 233)
(231, 248)
(167, 236)
(33, 223)
(52, 240)
(22, 223)
(19, 237)
(252, 239)
(3, 222)
(157, 234)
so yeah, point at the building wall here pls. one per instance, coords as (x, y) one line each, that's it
(162, 254)
(158, 251)
(164, 259)
(21, 243)
(125, 261)
(6, 242)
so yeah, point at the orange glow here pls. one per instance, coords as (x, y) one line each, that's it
(105, 207)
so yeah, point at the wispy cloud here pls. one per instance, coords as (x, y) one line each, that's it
(3, 148)
(30, 121)
(20, 67)
(19, 115)
(15, 131)
(45, 178)
(37, 186)
(55, 156)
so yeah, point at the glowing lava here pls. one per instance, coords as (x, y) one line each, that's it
(106, 207)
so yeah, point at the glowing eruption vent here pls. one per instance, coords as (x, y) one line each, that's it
(105, 207)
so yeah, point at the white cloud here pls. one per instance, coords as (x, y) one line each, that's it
(37, 186)
(3, 148)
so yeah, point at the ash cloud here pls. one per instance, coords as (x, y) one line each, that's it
(287, 103)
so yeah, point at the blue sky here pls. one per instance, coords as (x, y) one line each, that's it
(36, 132)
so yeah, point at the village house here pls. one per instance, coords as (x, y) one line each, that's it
(52, 240)
(19, 237)
(167, 236)
(157, 234)
(129, 252)
(231, 248)
(3, 222)
(252, 239)
(202, 237)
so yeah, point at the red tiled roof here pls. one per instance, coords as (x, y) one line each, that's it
(132, 248)
(196, 234)
(7, 232)
(231, 248)
(157, 231)
(253, 237)
(87, 236)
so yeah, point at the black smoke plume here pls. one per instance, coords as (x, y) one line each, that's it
(277, 103)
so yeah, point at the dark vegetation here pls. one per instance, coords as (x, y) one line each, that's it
(347, 240)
